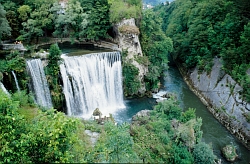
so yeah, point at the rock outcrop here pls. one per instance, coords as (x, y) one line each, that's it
(138, 118)
(229, 152)
(126, 36)
(220, 93)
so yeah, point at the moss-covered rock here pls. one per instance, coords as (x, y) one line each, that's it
(229, 152)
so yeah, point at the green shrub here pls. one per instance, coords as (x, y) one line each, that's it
(131, 82)
(120, 10)
(188, 115)
(23, 98)
(203, 154)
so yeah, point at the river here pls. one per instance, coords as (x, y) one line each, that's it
(213, 132)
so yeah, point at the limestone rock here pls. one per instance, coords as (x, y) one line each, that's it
(93, 136)
(126, 36)
(221, 94)
(142, 113)
(139, 118)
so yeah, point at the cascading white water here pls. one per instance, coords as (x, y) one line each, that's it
(17, 85)
(92, 81)
(38, 83)
(4, 89)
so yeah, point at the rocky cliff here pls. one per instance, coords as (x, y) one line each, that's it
(126, 36)
(221, 95)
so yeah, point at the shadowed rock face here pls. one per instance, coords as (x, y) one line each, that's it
(221, 94)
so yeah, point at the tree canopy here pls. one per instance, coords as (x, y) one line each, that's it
(77, 19)
(5, 28)
(202, 30)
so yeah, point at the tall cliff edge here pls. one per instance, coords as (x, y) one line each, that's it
(220, 93)
(126, 36)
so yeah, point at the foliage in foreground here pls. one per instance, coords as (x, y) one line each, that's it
(171, 136)
(166, 135)
(50, 137)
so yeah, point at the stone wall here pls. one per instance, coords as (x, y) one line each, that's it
(18, 46)
(220, 93)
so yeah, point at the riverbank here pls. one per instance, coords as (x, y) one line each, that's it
(221, 100)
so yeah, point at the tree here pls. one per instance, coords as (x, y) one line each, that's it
(131, 82)
(5, 28)
(73, 22)
(24, 12)
(155, 45)
(53, 71)
(12, 127)
(98, 20)
(120, 144)
(40, 19)
(203, 154)
(49, 137)
(14, 23)
(121, 9)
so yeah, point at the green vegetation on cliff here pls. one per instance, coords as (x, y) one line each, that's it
(156, 46)
(203, 30)
(53, 73)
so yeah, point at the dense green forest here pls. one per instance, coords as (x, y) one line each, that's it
(207, 29)
(27, 20)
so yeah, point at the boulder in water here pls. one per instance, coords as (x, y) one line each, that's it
(229, 153)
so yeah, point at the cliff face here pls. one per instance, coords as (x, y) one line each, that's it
(126, 36)
(221, 95)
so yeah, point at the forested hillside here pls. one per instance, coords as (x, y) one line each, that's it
(203, 30)
(78, 19)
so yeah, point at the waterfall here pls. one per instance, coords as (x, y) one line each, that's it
(92, 81)
(38, 83)
(18, 88)
(4, 89)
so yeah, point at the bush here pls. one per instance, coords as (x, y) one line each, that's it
(120, 10)
(131, 82)
(170, 108)
(203, 154)
(180, 154)
(23, 98)
(188, 115)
